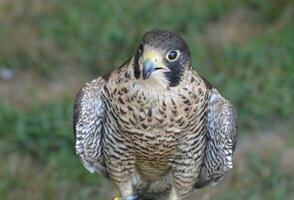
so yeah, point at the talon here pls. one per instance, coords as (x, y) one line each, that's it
(117, 198)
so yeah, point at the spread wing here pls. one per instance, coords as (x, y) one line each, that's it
(88, 120)
(221, 139)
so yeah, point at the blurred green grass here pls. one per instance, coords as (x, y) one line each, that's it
(243, 47)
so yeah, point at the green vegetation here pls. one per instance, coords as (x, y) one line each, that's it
(243, 47)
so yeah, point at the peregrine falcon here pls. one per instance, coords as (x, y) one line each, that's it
(155, 126)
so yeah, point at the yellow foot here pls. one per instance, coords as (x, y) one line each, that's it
(117, 198)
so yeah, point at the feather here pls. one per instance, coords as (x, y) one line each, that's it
(221, 140)
(88, 124)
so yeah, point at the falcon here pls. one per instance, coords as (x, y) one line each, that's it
(155, 126)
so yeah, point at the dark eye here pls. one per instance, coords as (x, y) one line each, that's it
(173, 55)
(141, 48)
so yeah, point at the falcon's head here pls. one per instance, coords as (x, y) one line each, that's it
(162, 56)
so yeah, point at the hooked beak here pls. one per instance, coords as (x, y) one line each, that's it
(151, 63)
(148, 68)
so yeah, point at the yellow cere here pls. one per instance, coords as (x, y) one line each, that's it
(151, 54)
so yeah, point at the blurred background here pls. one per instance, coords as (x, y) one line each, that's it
(50, 48)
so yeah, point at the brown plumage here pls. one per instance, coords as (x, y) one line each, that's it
(154, 125)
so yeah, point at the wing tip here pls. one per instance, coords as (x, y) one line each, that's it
(87, 164)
